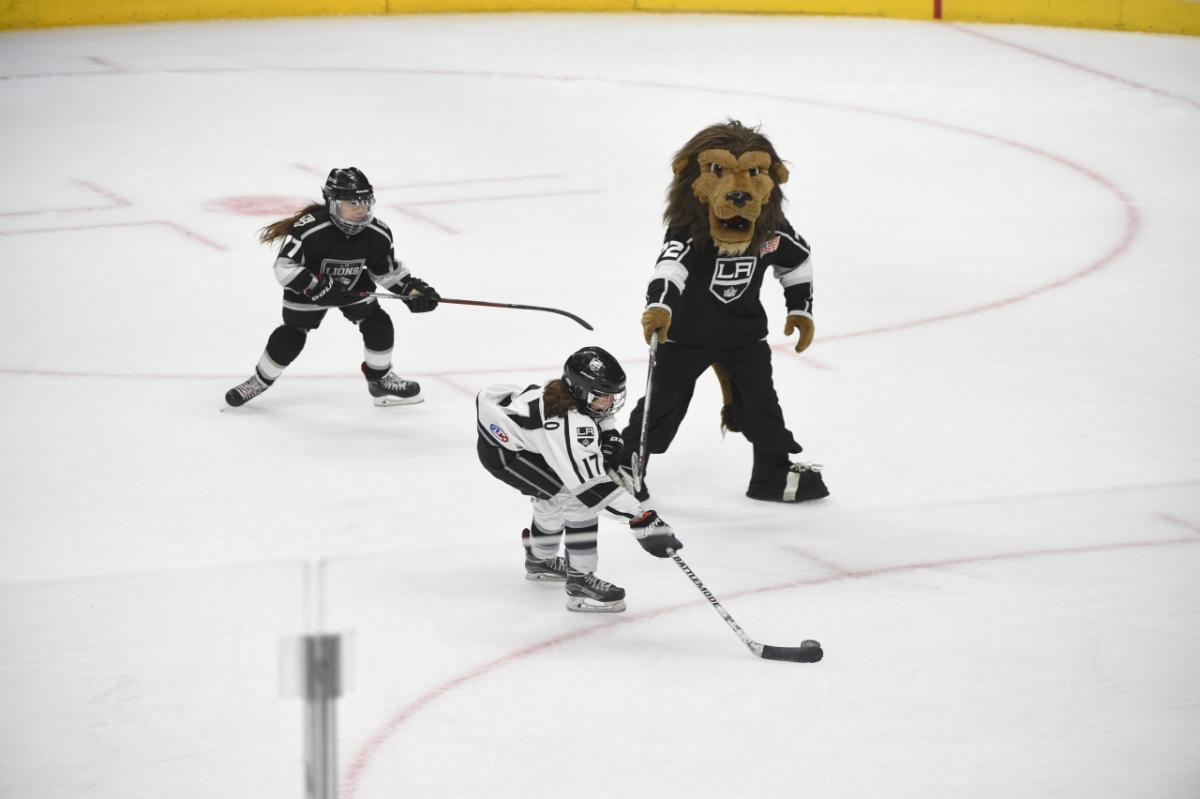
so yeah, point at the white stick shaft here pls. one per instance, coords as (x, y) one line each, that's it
(639, 468)
(751, 644)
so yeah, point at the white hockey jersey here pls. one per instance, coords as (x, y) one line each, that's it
(512, 417)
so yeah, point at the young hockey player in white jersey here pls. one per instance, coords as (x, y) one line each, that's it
(556, 444)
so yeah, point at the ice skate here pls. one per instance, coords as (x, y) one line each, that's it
(244, 392)
(587, 593)
(542, 569)
(801, 482)
(393, 390)
(549, 570)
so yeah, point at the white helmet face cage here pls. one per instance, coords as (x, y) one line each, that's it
(600, 404)
(347, 213)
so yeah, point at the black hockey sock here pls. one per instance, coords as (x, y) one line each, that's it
(373, 374)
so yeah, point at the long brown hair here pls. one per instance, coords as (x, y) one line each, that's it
(277, 230)
(557, 399)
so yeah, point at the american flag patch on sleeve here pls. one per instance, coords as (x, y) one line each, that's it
(770, 245)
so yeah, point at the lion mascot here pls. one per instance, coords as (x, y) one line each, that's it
(725, 231)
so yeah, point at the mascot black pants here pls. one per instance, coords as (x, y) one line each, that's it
(755, 405)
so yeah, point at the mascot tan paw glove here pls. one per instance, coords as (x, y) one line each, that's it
(656, 320)
(804, 324)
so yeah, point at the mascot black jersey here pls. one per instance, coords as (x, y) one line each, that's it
(714, 298)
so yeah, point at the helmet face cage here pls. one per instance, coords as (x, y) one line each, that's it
(347, 192)
(604, 403)
(596, 381)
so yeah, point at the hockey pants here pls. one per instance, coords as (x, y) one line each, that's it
(557, 514)
(755, 408)
(287, 341)
(755, 403)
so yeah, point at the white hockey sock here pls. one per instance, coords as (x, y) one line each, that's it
(268, 368)
(378, 360)
(543, 545)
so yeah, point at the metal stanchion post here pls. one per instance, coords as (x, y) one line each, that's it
(322, 680)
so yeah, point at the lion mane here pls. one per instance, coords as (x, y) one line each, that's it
(685, 210)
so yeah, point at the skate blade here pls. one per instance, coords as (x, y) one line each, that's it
(545, 578)
(580, 604)
(384, 402)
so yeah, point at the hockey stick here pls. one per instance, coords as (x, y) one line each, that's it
(639, 465)
(808, 652)
(573, 317)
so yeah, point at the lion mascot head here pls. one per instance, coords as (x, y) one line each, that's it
(727, 187)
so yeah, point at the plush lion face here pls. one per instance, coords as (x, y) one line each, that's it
(726, 187)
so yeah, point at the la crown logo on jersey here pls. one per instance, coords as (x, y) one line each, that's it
(498, 433)
(585, 436)
(732, 277)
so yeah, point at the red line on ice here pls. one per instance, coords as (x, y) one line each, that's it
(175, 226)
(358, 766)
(114, 200)
(1074, 65)
(1184, 523)
(1128, 234)
(427, 220)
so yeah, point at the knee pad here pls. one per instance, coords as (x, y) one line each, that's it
(285, 344)
(377, 331)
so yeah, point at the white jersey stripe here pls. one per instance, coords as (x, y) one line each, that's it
(802, 273)
(673, 272)
(510, 418)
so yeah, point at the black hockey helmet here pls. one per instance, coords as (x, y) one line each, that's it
(596, 381)
(350, 198)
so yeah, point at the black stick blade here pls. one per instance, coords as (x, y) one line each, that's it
(807, 652)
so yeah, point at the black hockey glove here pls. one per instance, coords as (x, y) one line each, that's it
(610, 446)
(327, 291)
(655, 535)
(420, 296)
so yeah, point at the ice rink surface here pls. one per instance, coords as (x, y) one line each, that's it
(1003, 392)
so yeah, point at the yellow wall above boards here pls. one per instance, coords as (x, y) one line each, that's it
(1164, 16)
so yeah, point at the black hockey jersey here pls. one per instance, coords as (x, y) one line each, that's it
(714, 299)
(314, 247)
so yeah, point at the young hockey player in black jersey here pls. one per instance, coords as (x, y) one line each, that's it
(556, 444)
(333, 256)
(726, 229)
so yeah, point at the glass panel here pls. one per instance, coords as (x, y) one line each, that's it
(163, 685)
